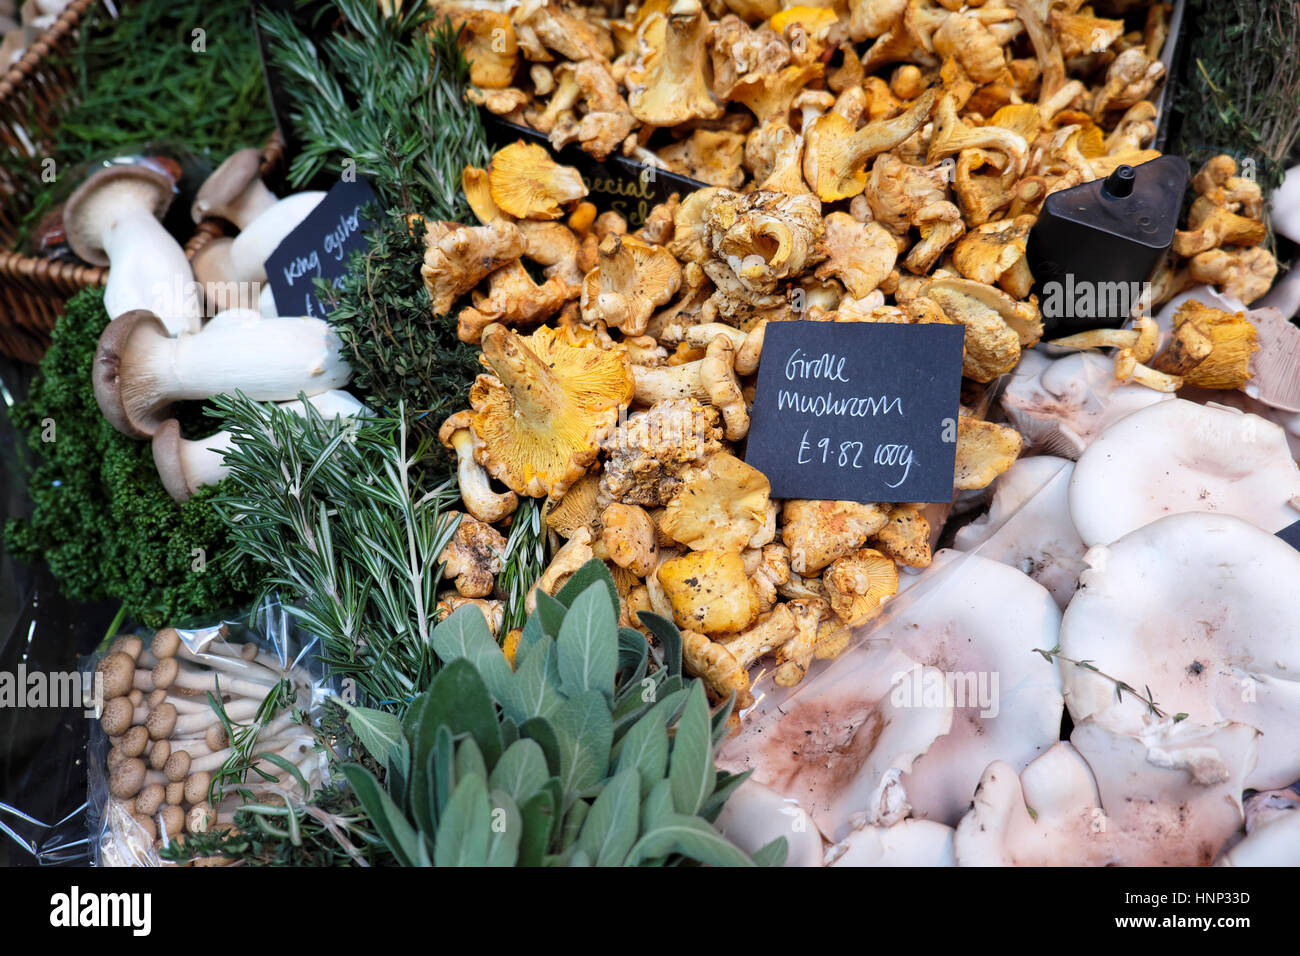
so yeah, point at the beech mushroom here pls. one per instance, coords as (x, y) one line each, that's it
(186, 466)
(140, 371)
(1187, 457)
(112, 219)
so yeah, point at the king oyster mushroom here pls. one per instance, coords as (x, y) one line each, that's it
(186, 466)
(235, 192)
(112, 219)
(140, 371)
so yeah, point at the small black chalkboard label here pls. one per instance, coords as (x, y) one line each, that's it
(319, 248)
(857, 411)
(1291, 535)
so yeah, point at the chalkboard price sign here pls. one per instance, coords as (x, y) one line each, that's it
(857, 411)
(319, 248)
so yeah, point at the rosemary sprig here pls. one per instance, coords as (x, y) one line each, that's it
(1120, 686)
(385, 94)
(331, 513)
(525, 560)
(243, 741)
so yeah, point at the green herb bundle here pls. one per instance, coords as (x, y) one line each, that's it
(580, 756)
(400, 352)
(168, 71)
(1240, 84)
(101, 517)
(383, 94)
(329, 513)
(383, 97)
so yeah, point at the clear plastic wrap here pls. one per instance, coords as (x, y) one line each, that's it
(116, 836)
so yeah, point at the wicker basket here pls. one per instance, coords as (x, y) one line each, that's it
(32, 95)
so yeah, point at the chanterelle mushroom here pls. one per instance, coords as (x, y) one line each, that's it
(629, 281)
(667, 85)
(720, 505)
(648, 454)
(527, 184)
(540, 419)
(458, 257)
(762, 237)
(819, 532)
(473, 557)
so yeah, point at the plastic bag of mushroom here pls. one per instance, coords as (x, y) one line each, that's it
(196, 722)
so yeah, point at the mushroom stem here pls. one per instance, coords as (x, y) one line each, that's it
(659, 383)
(170, 672)
(140, 371)
(186, 466)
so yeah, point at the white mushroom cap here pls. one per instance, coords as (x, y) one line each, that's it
(1284, 206)
(1275, 844)
(1202, 610)
(1289, 422)
(1180, 457)
(755, 815)
(1061, 405)
(1112, 799)
(1172, 798)
(1049, 816)
(837, 743)
(1028, 526)
(909, 843)
(1272, 832)
(978, 621)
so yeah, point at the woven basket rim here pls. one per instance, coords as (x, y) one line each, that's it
(18, 74)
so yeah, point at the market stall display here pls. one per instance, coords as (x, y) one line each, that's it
(539, 572)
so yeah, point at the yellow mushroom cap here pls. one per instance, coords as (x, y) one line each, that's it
(857, 584)
(540, 419)
(526, 183)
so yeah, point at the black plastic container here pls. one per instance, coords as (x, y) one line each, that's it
(1096, 246)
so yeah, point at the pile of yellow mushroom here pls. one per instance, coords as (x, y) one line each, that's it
(871, 161)
(624, 409)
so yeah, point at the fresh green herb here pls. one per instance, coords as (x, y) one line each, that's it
(525, 560)
(329, 512)
(579, 756)
(400, 352)
(160, 71)
(243, 741)
(385, 95)
(330, 831)
(1148, 700)
(101, 518)
(1239, 85)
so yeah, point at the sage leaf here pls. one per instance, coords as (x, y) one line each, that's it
(588, 644)
(691, 771)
